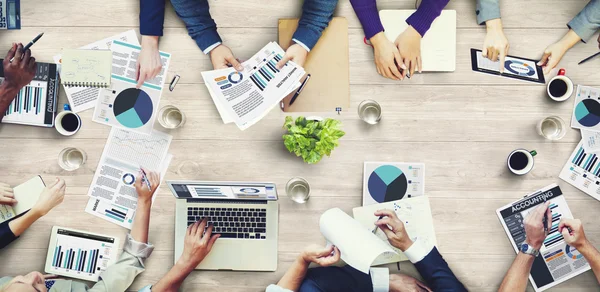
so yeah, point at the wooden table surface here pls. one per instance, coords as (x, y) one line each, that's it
(462, 125)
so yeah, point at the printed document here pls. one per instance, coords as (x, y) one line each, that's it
(113, 193)
(557, 261)
(83, 98)
(359, 247)
(246, 97)
(124, 106)
(415, 213)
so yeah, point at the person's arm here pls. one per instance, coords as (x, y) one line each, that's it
(587, 21)
(197, 245)
(141, 221)
(535, 233)
(368, 15)
(17, 74)
(495, 44)
(426, 13)
(152, 17)
(323, 256)
(428, 261)
(487, 10)
(572, 231)
(554, 53)
(200, 25)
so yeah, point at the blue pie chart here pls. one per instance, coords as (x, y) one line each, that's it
(133, 108)
(587, 112)
(387, 183)
(519, 68)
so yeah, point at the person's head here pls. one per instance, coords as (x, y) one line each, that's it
(32, 282)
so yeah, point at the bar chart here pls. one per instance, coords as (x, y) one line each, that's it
(29, 105)
(265, 72)
(81, 254)
(582, 170)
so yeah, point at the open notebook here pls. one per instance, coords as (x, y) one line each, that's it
(359, 247)
(87, 68)
(26, 194)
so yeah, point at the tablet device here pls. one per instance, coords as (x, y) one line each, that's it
(80, 254)
(514, 67)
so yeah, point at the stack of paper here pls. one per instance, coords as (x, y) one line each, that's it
(245, 97)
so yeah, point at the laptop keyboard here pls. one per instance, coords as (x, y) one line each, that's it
(241, 223)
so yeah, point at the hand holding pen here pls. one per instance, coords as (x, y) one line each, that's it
(146, 184)
(393, 228)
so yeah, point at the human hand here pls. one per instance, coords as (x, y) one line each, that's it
(52, 195)
(6, 195)
(409, 46)
(406, 283)
(554, 53)
(142, 189)
(295, 53)
(495, 44)
(322, 256)
(221, 57)
(574, 237)
(21, 70)
(197, 243)
(148, 62)
(387, 58)
(393, 229)
(534, 225)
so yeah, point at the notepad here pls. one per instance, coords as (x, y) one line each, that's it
(26, 194)
(87, 68)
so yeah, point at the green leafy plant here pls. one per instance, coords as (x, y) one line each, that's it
(311, 139)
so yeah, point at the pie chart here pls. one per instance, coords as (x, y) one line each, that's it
(587, 112)
(387, 183)
(519, 68)
(133, 108)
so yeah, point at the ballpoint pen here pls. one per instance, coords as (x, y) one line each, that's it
(374, 231)
(589, 58)
(30, 44)
(145, 179)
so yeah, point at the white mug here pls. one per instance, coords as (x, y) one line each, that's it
(520, 161)
(569, 91)
(67, 123)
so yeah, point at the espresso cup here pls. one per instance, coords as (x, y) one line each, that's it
(67, 123)
(560, 88)
(520, 161)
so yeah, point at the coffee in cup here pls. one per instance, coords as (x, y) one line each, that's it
(560, 88)
(67, 123)
(520, 161)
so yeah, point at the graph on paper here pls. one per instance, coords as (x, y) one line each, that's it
(582, 170)
(143, 150)
(82, 255)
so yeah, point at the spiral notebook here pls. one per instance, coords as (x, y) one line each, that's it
(87, 68)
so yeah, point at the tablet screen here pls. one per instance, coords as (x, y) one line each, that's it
(80, 255)
(514, 67)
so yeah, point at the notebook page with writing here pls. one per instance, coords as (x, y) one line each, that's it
(359, 247)
(89, 68)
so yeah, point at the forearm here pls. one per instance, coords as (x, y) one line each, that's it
(152, 16)
(570, 39)
(316, 15)
(366, 11)
(295, 275)
(587, 22)
(7, 95)
(174, 278)
(427, 12)
(516, 277)
(19, 225)
(141, 221)
(592, 255)
(198, 21)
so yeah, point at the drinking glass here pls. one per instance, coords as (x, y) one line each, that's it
(369, 111)
(71, 158)
(552, 128)
(298, 190)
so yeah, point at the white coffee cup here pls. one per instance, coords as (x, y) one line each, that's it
(520, 161)
(67, 123)
(558, 78)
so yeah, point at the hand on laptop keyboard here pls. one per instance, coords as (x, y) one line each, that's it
(197, 243)
(240, 223)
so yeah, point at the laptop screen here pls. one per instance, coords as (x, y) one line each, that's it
(222, 191)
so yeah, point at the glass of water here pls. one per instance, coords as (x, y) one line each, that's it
(552, 128)
(298, 190)
(369, 111)
(171, 117)
(71, 158)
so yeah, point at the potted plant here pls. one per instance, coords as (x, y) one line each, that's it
(311, 139)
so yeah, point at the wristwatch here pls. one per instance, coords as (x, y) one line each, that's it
(528, 249)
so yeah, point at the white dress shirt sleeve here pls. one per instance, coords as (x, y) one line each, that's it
(301, 44)
(381, 279)
(275, 288)
(211, 48)
(417, 251)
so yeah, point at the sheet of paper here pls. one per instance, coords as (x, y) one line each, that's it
(83, 98)
(391, 181)
(415, 213)
(557, 261)
(590, 140)
(582, 170)
(125, 152)
(359, 247)
(586, 109)
(124, 106)
(246, 97)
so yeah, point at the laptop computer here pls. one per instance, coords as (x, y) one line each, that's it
(244, 213)
(438, 46)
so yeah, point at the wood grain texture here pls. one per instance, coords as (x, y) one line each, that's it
(462, 125)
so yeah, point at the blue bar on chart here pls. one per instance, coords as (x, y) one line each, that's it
(116, 214)
(28, 100)
(266, 73)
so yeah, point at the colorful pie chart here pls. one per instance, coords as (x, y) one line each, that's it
(133, 108)
(587, 112)
(387, 183)
(519, 68)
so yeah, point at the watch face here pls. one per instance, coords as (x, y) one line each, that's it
(524, 247)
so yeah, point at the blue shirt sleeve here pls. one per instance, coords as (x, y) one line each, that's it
(487, 10)
(6, 235)
(200, 25)
(587, 22)
(152, 16)
(316, 15)
(437, 274)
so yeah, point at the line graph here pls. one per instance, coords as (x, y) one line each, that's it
(145, 150)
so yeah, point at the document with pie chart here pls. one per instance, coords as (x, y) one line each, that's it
(391, 181)
(124, 106)
(586, 110)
